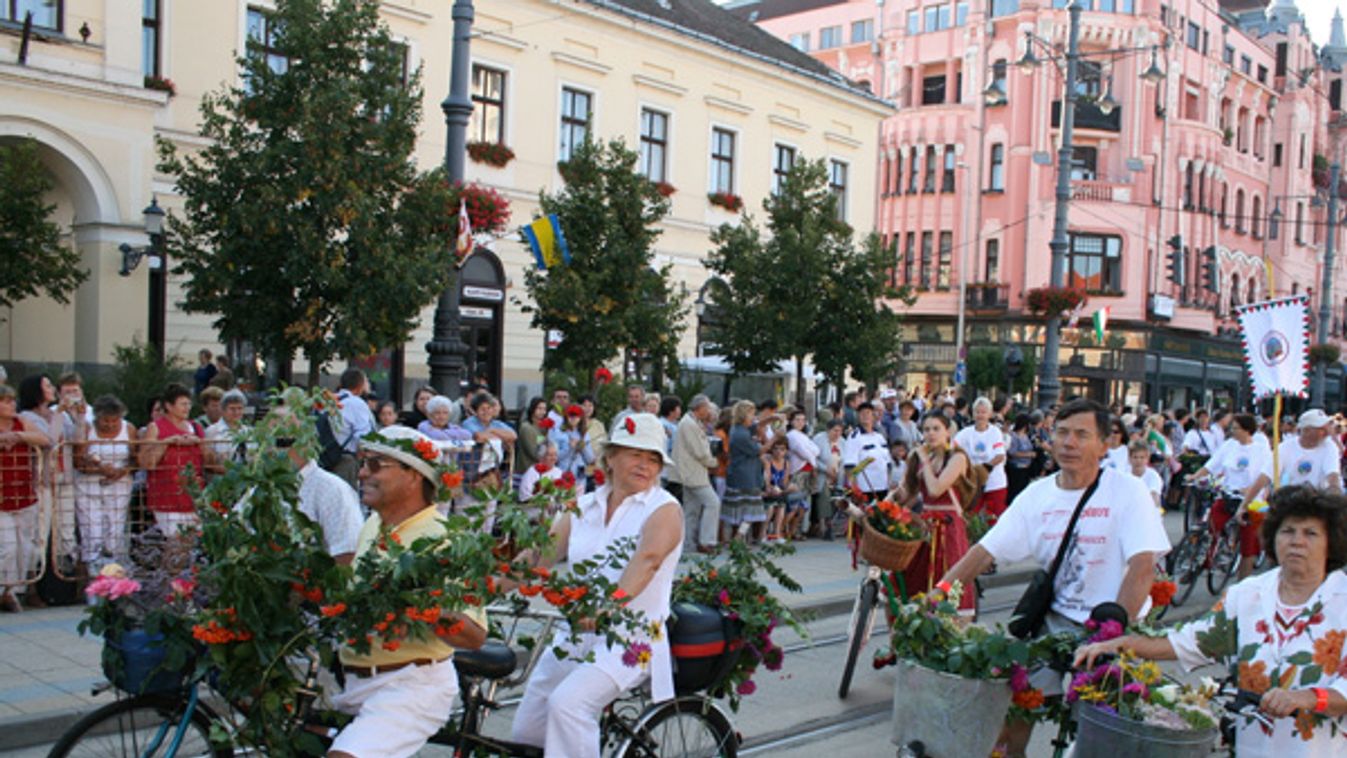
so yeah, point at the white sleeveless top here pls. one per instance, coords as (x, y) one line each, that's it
(115, 451)
(590, 537)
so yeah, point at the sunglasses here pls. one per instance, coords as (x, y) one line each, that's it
(376, 463)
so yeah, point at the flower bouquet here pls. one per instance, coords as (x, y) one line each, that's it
(733, 588)
(952, 688)
(891, 535)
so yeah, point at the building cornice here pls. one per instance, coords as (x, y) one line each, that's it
(99, 89)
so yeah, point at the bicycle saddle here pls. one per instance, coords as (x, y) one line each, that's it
(493, 660)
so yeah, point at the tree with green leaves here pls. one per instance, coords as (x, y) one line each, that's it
(307, 224)
(32, 259)
(804, 289)
(987, 371)
(610, 297)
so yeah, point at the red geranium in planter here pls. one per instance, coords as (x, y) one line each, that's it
(488, 210)
(490, 153)
(1053, 301)
(727, 200)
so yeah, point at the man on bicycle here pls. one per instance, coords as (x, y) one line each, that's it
(399, 697)
(1114, 546)
(1310, 457)
(1246, 464)
(867, 443)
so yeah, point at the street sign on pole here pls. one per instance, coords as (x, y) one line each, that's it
(960, 373)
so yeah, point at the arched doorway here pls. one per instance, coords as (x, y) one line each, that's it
(482, 316)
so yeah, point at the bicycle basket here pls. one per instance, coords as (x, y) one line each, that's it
(134, 662)
(705, 644)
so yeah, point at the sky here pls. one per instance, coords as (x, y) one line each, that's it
(1319, 17)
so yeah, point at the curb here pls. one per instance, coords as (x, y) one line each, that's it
(29, 729)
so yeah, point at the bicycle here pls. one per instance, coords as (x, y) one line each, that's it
(180, 724)
(1202, 550)
(862, 620)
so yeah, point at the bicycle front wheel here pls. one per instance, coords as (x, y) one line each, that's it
(140, 727)
(1187, 564)
(1224, 560)
(687, 727)
(858, 633)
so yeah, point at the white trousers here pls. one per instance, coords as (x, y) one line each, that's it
(396, 713)
(20, 546)
(562, 705)
(101, 512)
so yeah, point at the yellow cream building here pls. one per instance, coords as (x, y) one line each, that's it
(712, 102)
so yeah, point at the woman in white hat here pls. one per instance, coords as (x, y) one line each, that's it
(565, 697)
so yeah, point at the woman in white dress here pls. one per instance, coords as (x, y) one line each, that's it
(104, 465)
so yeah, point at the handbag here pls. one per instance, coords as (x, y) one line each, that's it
(1031, 611)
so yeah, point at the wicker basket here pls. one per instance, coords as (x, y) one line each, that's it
(885, 552)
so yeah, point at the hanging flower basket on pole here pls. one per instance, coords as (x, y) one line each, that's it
(1053, 301)
(488, 210)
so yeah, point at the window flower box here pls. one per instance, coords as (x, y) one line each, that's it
(490, 153)
(727, 200)
(161, 84)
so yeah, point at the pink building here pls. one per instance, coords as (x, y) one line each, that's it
(1227, 150)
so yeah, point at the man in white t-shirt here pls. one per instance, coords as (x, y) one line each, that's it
(1309, 458)
(986, 447)
(1117, 539)
(1202, 439)
(1246, 464)
(1139, 456)
(866, 442)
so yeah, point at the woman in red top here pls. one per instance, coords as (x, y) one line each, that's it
(172, 443)
(20, 547)
(932, 471)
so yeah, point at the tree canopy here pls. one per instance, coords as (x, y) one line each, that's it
(307, 224)
(32, 259)
(610, 296)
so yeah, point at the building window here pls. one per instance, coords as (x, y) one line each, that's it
(1005, 7)
(829, 37)
(992, 270)
(937, 17)
(1245, 65)
(1300, 223)
(909, 257)
(1277, 155)
(996, 179)
(913, 23)
(960, 13)
(654, 145)
(1083, 163)
(149, 38)
(946, 261)
(1225, 195)
(722, 160)
(947, 176)
(47, 14)
(924, 282)
(1194, 38)
(897, 185)
(1262, 74)
(262, 33)
(914, 173)
(933, 90)
(488, 105)
(1256, 217)
(402, 58)
(999, 78)
(1239, 211)
(837, 183)
(928, 180)
(862, 31)
(783, 161)
(1090, 80)
(1188, 187)
(1094, 263)
(800, 41)
(1281, 59)
(1228, 55)
(1335, 94)
(577, 107)
(1103, 6)
(1302, 152)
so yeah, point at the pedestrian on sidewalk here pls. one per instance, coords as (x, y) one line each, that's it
(742, 508)
(829, 475)
(692, 465)
(1112, 551)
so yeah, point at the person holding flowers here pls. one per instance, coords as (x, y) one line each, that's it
(400, 694)
(931, 473)
(565, 697)
(573, 449)
(1283, 631)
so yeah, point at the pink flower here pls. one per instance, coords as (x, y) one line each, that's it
(1107, 631)
(1019, 678)
(111, 588)
(723, 597)
(1136, 688)
(636, 654)
(746, 687)
(183, 587)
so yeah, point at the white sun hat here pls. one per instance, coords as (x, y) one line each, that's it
(641, 431)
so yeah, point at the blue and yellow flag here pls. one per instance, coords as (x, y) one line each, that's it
(547, 242)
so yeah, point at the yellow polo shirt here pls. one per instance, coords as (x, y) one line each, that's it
(424, 523)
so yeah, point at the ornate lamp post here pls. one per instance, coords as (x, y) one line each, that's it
(158, 262)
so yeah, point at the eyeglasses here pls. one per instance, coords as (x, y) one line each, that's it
(376, 463)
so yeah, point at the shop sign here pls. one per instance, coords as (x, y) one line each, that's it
(484, 293)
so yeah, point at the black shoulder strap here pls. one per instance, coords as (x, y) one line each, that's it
(1071, 528)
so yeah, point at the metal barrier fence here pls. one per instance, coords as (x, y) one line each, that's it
(25, 515)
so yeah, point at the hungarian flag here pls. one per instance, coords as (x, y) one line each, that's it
(463, 245)
(1100, 325)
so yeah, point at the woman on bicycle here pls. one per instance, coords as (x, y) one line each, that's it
(932, 470)
(565, 697)
(1247, 465)
(1295, 612)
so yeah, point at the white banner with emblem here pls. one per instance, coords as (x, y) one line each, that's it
(1276, 337)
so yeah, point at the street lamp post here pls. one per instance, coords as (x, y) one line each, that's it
(446, 346)
(1326, 287)
(158, 264)
(1049, 385)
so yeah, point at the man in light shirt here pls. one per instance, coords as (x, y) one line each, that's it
(867, 445)
(1247, 467)
(986, 447)
(1310, 457)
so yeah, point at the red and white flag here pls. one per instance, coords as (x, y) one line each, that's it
(463, 246)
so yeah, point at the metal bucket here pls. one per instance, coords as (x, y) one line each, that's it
(953, 717)
(1107, 735)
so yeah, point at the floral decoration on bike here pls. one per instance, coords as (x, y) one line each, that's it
(1135, 689)
(896, 522)
(733, 586)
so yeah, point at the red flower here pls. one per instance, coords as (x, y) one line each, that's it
(598, 477)
(333, 610)
(541, 468)
(575, 410)
(566, 481)
(426, 449)
(452, 479)
(1162, 593)
(630, 424)
(546, 424)
(603, 375)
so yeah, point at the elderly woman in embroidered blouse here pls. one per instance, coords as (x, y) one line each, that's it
(1297, 610)
(564, 698)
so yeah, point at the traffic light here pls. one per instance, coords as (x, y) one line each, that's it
(1210, 275)
(1177, 269)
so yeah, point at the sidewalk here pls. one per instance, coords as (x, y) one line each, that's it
(47, 669)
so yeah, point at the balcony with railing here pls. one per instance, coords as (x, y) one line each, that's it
(1101, 191)
(1090, 116)
(987, 296)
